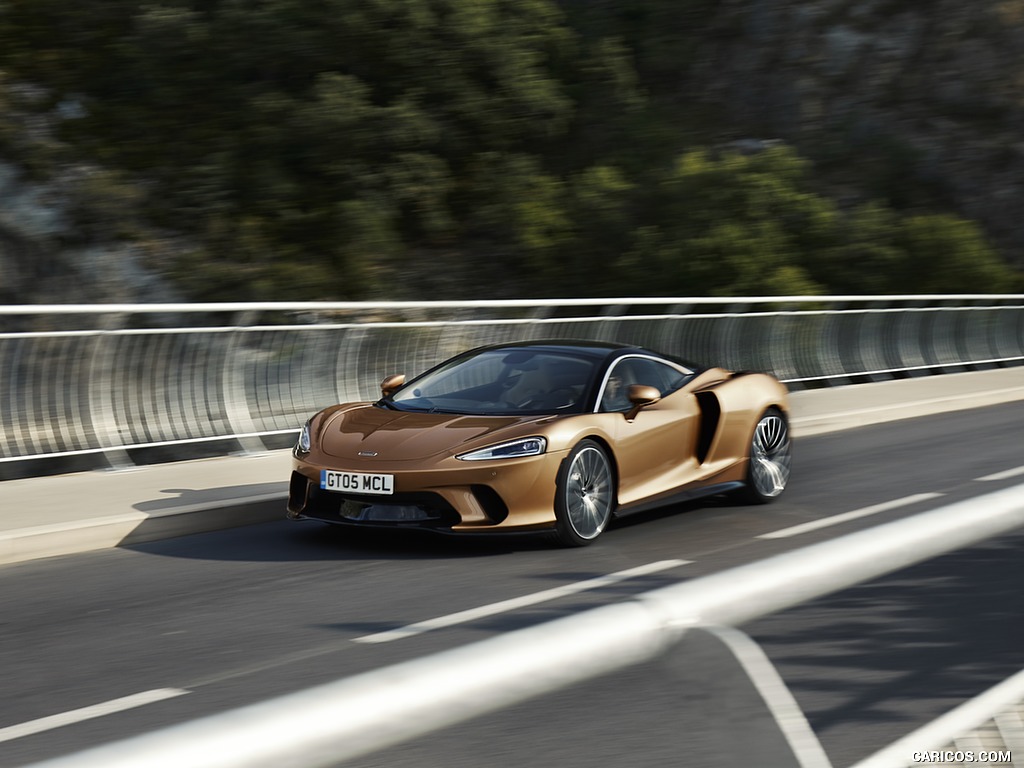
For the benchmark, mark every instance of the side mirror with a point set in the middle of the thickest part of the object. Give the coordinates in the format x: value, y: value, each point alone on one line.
x: 641, y: 395
x: 390, y: 384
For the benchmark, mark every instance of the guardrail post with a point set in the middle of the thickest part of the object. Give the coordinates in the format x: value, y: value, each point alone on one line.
x: 107, y: 428
x: 235, y: 395
x: 830, y: 344
x: 673, y: 326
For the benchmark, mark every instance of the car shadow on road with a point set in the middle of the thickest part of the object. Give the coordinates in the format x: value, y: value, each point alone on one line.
x: 177, y: 498
x: 311, y: 541
x: 271, y: 538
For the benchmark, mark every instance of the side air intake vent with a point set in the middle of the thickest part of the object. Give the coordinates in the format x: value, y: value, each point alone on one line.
x: 710, y: 414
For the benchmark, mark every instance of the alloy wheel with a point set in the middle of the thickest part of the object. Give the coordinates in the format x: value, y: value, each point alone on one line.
x: 770, y: 456
x: 588, y: 492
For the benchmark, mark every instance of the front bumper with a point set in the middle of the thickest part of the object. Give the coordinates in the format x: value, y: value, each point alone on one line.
x: 455, y: 496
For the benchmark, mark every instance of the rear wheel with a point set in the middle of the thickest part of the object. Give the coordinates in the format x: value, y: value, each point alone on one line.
x: 770, y: 458
x: 584, y: 496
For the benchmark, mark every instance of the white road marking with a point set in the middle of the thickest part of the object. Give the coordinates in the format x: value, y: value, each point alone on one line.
x: 88, y: 713
x: 824, y: 522
x: 1001, y: 475
x: 518, y: 602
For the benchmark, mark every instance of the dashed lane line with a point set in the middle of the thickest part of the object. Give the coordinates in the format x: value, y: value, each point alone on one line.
x: 1004, y: 475
x: 515, y: 603
x: 42, y: 724
x: 825, y: 522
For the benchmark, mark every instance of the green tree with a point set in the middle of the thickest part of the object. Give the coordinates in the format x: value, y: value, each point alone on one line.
x: 946, y: 254
x: 308, y: 148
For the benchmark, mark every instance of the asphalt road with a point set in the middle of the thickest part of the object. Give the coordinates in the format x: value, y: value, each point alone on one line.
x: 228, y: 618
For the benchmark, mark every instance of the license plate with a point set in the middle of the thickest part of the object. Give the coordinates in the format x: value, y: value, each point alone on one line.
x: 357, y: 482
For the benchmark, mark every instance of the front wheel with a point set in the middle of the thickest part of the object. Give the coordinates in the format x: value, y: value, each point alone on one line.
x: 770, y: 458
x: 584, y: 495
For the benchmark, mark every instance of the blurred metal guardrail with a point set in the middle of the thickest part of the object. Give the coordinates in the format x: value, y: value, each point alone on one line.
x: 348, y: 718
x: 143, y: 383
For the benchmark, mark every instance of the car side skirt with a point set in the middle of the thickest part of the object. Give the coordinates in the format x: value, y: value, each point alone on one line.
x: 678, y: 497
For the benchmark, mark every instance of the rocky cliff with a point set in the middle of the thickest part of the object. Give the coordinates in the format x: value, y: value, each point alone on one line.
x: 918, y: 101
x: 62, y: 230
x: 45, y: 258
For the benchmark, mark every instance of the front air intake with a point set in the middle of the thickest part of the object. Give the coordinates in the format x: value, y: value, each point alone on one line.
x: 491, y: 502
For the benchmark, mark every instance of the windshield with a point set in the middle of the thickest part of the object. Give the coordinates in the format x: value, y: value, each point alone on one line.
x: 498, y: 382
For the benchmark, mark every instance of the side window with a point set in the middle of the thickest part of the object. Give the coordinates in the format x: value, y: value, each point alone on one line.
x: 638, y: 370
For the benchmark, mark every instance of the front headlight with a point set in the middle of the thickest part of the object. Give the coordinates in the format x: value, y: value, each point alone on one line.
x: 302, y: 445
x: 527, y: 446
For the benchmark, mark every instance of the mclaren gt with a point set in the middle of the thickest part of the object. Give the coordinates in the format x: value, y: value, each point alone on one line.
x: 556, y: 436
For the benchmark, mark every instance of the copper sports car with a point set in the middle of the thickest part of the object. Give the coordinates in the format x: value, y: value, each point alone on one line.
x: 555, y: 436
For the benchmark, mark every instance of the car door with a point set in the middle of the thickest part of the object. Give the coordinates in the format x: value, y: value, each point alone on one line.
x: 654, y: 450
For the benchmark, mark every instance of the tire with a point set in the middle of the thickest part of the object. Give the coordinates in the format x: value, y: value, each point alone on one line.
x: 771, y: 455
x: 585, y: 495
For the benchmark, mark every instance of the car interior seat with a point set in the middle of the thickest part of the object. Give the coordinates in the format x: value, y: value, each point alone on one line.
x: 533, y: 384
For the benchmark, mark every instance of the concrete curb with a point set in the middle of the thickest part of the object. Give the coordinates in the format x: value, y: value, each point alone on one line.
x: 94, y: 533
x: 66, y: 514
x: 816, y: 412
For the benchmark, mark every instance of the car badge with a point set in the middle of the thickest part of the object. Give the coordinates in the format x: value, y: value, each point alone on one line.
x: 367, y: 454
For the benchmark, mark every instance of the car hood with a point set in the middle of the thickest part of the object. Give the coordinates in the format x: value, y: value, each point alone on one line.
x: 404, y: 436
